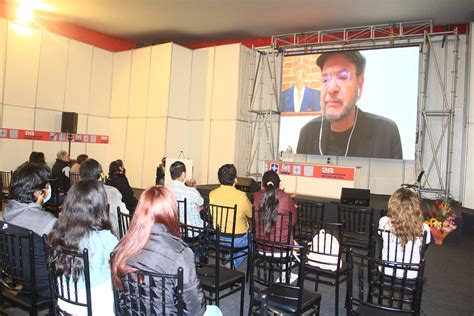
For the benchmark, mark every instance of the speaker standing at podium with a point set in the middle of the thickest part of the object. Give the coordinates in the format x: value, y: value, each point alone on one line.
x: 344, y: 129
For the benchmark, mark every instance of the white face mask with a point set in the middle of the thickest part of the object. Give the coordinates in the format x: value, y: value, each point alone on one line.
x: 46, y: 199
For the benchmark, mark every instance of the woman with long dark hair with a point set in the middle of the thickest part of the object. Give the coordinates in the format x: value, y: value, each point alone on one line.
x: 153, y: 244
x: 85, y: 223
x: 270, y: 201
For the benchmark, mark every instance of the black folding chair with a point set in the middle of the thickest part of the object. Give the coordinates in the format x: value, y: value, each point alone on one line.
x: 358, y: 228
x: 380, y: 287
x: 217, y: 282
x: 310, y: 214
x: 323, y: 262
x: 67, y: 290
x: 23, y: 271
x: 224, y: 217
x: 145, y: 293
x: 123, y: 220
x: 271, y: 269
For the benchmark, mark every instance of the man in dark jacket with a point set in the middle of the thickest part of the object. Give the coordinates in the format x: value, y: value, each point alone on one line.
x: 61, y: 171
x: 344, y: 129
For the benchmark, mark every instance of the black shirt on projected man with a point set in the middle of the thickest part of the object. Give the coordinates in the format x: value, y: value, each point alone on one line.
x: 344, y: 129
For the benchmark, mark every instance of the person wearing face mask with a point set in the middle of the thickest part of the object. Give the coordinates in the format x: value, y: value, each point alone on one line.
x: 118, y: 179
x: 344, y: 129
x: 29, y: 190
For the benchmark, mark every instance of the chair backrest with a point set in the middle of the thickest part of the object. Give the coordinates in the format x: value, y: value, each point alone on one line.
x: 68, y: 293
x: 391, y: 249
x: 123, y: 220
x: 6, y: 177
x: 377, y: 288
x: 224, y: 217
x: 147, y: 293
x: 358, y: 226
x: 310, y: 214
x: 183, y: 211
x: 324, y: 251
x: 281, y: 229
x: 17, y: 262
x: 74, y: 177
x: 273, y: 262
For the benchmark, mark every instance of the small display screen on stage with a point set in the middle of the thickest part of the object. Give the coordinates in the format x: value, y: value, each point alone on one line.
x: 359, y: 104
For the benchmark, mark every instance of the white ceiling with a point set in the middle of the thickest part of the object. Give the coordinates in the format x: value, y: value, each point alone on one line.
x: 185, y: 21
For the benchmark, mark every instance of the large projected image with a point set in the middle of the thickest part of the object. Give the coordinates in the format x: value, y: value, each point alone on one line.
x: 351, y: 103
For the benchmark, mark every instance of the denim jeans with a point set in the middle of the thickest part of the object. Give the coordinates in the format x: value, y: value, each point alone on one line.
x: 239, y: 242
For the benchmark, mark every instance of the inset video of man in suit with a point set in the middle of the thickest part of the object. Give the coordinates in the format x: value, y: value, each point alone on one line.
x: 300, y: 98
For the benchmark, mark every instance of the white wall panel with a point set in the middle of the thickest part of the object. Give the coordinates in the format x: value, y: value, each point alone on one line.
x: 98, y: 126
x: 180, y: 83
x: 18, y: 117
x: 52, y: 71
x: 154, y: 149
x: 139, y: 82
x: 21, y: 74
x: 134, y: 148
x: 101, y: 82
x: 199, y: 83
x: 47, y: 120
x: 198, y: 144
x: 159, y: 84
x: 3, y: 52
x: 386, y: 175
x: 226, y: 82
x: 15, y: 152
x: 78, y: 77
x: 178, y: 137
x: 117, y: 138
x: 120, y: 84
x: 222, y: 146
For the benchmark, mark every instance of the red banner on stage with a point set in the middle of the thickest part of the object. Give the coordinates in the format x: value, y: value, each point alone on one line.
x: 21, y: 134
x: 313, y: 171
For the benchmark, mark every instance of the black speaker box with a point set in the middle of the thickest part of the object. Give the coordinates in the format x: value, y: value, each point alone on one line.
x: 69, y: 122
x: 356, y: 197
x: 247, y: 185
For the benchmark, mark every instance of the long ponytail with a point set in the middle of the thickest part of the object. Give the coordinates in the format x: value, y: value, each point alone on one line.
x: 269, y: 202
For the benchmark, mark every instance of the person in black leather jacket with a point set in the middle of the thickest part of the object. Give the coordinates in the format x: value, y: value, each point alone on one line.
x: 118, y: 180
x: 153, y: 244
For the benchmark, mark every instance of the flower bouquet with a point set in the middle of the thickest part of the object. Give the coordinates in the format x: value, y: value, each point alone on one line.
x: 441, y: 220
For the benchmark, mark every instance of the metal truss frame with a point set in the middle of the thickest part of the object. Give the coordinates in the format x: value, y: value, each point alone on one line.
x: 428, y: 149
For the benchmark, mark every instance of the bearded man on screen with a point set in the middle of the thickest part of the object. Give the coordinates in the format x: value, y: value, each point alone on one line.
x: 344, y: 129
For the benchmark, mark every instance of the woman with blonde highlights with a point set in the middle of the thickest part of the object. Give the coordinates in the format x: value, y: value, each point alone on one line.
x: 405, y: 223
x: 153, y: 244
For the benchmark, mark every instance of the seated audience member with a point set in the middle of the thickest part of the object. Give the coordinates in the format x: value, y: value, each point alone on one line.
x: 153, y: 244
x: 61, y: 172
x: 118, y: 180
x: 75, y: 166
x: 404, y: 220
x: 85, y: 223
x: 39, y: 158
x: 194, y: 200
x: 91, y: 169
x: 228, y: 195
x: 29, y: 190
x: 269, y: 202
x: 160, y: 172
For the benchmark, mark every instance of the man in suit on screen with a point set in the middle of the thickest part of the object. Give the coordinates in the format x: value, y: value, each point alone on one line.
x: 300, y: 98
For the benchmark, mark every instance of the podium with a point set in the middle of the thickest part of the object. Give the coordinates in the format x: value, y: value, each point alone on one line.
x: 313, y: 179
